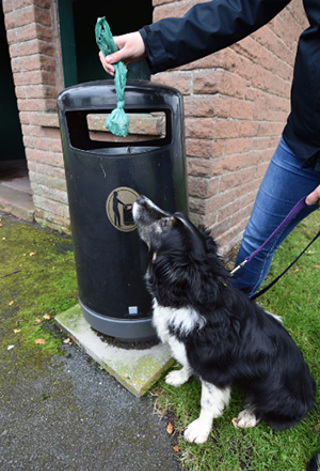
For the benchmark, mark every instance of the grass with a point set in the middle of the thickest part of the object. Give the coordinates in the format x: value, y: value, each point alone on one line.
x: 296, y: 297
x: 37, y: 278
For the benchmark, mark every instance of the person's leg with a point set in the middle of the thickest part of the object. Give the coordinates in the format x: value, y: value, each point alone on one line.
x: 283, y: 185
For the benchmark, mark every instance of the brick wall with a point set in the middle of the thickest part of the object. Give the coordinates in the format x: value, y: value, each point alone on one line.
x: 236, y: 105
x: 32, y: 36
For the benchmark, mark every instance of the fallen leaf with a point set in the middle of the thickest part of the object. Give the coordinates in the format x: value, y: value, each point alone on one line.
x: 40, y: 341
x: 38, y: 320
x: 317, y: 266
x: 16, y: 331
x: 295, y: 270
x: 46, y: 316
x: 11, y: 302
x: 170, y: 428
x: 32, y: 254
x: 176, y: 448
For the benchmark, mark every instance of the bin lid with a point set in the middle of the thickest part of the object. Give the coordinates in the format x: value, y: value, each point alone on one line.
x: 101, y: 95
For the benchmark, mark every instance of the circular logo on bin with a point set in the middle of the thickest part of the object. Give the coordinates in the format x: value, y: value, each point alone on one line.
x: 119, y: 208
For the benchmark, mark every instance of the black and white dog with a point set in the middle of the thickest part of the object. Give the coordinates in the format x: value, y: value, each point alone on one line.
x: 216, y: 332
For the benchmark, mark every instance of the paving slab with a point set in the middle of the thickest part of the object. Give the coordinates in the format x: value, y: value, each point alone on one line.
x: 18, y: 203
x: 137, y: 370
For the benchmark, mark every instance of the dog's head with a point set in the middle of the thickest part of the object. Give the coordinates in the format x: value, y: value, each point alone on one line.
x: 183, y: 259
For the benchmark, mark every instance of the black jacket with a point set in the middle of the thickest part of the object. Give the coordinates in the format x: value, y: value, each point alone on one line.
x: 211, y: 26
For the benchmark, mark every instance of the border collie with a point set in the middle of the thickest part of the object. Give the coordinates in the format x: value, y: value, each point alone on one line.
x: 216, y: 332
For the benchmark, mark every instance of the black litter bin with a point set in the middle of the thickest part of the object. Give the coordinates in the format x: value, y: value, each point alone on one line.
x: 103, y: 181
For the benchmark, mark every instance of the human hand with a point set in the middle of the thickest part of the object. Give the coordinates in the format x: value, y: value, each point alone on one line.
x: 131, y: 47
x: 314, y: 197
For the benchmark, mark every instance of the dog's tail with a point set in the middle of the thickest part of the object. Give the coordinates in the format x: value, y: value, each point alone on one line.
x: 291, y: 411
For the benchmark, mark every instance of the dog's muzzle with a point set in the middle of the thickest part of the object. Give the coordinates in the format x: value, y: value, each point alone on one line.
x: 145, y: 212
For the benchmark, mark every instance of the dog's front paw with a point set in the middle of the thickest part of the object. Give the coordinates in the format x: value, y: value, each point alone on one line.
x: 245, y: 419
x: 196, y: 432
x: 178, y: 377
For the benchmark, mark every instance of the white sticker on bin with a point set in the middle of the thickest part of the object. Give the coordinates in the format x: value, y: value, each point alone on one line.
x: 133, y: 310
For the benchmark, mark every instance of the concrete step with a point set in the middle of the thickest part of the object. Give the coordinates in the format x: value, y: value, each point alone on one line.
x: 136, y: 370
x: 18, y: 203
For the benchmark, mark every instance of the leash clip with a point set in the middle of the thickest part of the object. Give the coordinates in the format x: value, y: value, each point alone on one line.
x: 238, y: 267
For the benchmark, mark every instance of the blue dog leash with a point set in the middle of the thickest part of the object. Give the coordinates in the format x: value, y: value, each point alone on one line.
x: 292, y: 214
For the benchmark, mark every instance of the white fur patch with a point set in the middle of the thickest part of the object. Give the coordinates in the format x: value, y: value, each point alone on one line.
x: 184, y: 319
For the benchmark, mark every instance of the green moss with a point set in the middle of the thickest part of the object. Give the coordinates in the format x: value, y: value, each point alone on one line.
x: 37, y: 277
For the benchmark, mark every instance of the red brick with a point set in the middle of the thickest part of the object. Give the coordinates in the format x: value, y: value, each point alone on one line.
x: 21, y: 17
x: 271, y: 40
x: 55, y: 145
x: 199, y: 167
x: 197, y: 205
x: 33, y: 104
x: 204, y: 147
x: 156, y: 3
x: 234, y: 163
x: 42, y: 16
x: 182, y: 81
x: 198, y: 187
x: 29, y: 32
x: 219, y: 129
x: 259, y: 54
x: 237, y: 145
x: 36, y: 62
x: 32, y: 47
x: 218, y: 106
x: 36, y: 77
x: 237, y: 178
x: 211, y: 81
x: 24, y: 3
x: 7, y: 6
x: 174, y: 9
x: 40, y: 91
x: 53, y: 159
x: 280, y: 23
x: 219, y: 59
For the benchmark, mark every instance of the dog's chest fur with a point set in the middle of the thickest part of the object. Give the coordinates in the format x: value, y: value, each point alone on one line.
x: 173, y: 323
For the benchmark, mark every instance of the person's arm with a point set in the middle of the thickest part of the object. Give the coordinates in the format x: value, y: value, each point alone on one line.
x: 314, y: 197
x: 206, y: 28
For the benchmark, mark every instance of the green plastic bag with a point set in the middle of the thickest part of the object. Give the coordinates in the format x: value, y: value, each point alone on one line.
x: 118, y: 122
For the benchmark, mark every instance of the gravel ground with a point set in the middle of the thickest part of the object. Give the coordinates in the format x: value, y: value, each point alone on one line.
x: 66, y: 414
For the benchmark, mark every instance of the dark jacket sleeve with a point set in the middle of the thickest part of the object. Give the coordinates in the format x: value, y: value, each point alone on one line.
x: 204, y: 29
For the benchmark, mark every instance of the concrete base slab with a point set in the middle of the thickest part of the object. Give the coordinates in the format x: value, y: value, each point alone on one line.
x: 136, y: 370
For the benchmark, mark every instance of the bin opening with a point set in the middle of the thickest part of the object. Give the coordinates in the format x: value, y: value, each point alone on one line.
x: 146, y: 130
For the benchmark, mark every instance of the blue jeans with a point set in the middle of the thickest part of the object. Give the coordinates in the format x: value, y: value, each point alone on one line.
x: 283, y: 185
